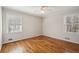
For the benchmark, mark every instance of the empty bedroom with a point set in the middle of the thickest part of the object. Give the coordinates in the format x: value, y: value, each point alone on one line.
x: 39, y: 29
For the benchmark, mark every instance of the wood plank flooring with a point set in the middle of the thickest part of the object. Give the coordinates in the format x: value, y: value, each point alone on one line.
x: 42, y: 44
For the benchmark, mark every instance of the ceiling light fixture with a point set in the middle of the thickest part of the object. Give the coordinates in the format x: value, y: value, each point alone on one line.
x: 44, y: 9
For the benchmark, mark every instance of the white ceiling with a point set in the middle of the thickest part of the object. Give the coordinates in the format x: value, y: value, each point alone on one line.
x: 36, y: 10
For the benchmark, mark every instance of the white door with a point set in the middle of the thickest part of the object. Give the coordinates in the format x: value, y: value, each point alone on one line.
x: 0, y: 27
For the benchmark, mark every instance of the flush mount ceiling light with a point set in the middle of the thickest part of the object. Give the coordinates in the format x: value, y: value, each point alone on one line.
x: 44, y: 9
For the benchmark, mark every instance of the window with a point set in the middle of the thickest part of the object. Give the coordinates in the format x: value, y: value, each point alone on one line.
x: 72, y: 23
x: 14, y: 24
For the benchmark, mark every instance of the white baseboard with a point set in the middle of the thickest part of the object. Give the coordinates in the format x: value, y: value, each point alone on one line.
x: 44, y: 35
x: 63, y: 39
x: 20, y: 39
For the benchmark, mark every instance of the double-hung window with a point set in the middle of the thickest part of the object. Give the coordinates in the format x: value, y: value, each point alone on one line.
x: 72, y: 23
x: 15, y: 24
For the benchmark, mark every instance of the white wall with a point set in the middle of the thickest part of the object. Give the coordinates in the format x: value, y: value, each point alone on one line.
x: 53, y: 26
x: 0, y: 27
x: 31, y: 26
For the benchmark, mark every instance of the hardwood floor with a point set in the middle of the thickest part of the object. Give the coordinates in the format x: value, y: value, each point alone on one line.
x: 42, y: 44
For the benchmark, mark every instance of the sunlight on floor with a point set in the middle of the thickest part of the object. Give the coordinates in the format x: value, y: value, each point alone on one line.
x: 17, y: 50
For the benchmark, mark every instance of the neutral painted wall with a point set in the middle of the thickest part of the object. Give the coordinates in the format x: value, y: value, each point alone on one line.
x: 0, y: 27
x: 32, y: 26
x: 53, y: 26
